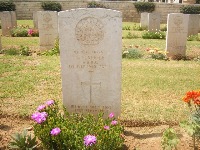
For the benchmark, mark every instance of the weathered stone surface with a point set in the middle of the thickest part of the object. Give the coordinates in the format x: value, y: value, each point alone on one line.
x: 144, y: 20
x: 35, y: 20
x: 90, y: 45
x: 48, y: 28
x: 8, y: 21
x: 193, y: 22
x: 153, y: 22
x: 0, y: 43
x: 177, y: 30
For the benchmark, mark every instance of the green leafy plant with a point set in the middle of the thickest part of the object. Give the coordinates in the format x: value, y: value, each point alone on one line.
x: 53, y: 51
x: 23, y: 50
x: 193, y: 38
x: 51, y: 6
x: 131, y: 36
x: 23, y: 141
x: 19, y: 31
x: 153, y: 35
x: 190, y: 9
x: 94, y: 4
x: 132, y: 53
x: 192, y: 125
x: 60, y: 130
x: 126, y: 28
x: 144, y: 7
x: 7, y: 6
x: 169, y: 139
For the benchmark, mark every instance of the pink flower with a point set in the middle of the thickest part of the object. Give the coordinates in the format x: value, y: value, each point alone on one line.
x: 114, y: 122
x: 89, y: 140
x: 39, y: 117
x: 50, y: 102
x: 41, y: 107
x: 111, y: 115
x: 55, y: 131
x: 30, y: 31
x: 106, y: 127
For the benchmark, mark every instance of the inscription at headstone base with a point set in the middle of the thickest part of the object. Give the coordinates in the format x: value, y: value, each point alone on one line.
x: 193, y: 22
x: 48, y: 28
x: 90, y: 45
x: 8, y: 21
x: 177, y: 30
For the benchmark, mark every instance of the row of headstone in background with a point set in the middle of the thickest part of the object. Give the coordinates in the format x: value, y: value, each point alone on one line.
x: 48, y: 28
x: 179, y: 27
x: 90, y: 46
x: 150, y: 21
x: 8, y: 21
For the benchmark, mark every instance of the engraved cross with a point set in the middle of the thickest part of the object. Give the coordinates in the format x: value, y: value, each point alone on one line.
x: 90, y: 84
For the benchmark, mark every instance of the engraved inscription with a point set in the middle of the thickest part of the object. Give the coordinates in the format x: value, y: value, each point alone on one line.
x: 89, y: 31
x: 91, y: 109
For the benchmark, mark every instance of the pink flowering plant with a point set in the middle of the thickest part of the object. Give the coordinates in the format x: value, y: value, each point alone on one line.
x: 60, y: 130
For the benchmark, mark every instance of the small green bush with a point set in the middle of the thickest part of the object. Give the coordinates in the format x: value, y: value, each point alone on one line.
x: 19, y: 31
x: 131, y: 36
x: 94, y: 4
x: 126, y: 28
x: 51, y: 6
x: 190, y: 9
x: 23, y: 141
x: 193, y: 38
x: 132, y: 54
x: 23, y: 50
x: 144, y: 7
x: 7, y: 6
x: 153, y: 35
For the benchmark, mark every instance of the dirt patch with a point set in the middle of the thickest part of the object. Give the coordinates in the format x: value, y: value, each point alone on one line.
x: 136, y: 138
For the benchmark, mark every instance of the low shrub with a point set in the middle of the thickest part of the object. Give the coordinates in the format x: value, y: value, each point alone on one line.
x: 19, y: 31
x: 153, y: 35
x: 193, y: 38
x: 157, y: 54
x: 144, y: 7
x: 24, y: 31
x: 126, y: 28
x: 131, y: 36
x: 7, y: 6
x: 190, y: 9
x: 94, y: 4
x: 61, y: 130
x: 51, y: 6
x: 23, y: 50
x: 132, y: 53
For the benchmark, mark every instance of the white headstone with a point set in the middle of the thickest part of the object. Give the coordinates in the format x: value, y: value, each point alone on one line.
x: 90, y: 45
x: 144, y: 20
x: 35, y: 20
x: 48, y: 28
x: 193, y: 22
x: 177, y: 29
x: 8, y: 21
x: 153, y: 22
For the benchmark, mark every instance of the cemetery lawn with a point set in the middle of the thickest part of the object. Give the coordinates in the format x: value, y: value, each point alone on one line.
x: 152, y: 90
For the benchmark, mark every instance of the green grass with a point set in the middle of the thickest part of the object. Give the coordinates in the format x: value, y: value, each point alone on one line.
x: 151, y: 89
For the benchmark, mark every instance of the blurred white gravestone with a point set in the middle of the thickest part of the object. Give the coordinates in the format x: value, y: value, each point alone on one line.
x: 8, y: 21
x: 153, y: 22
x: 35, y: 20
x: 177, y: 30
x: 144, y: 20
x: 90, y: 45
x: 48, y: 28
x: 193, y: 22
